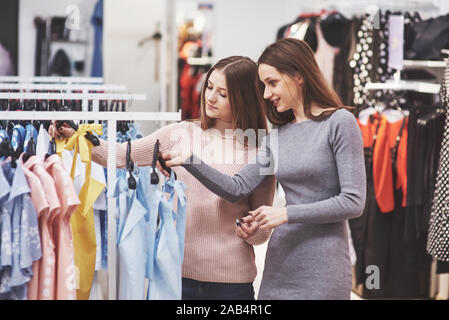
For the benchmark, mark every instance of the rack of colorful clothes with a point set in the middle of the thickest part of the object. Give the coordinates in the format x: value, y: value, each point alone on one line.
x: 150, y: 232
x: 80, y: 143
x: 402, y: 132
x: 353, y: 49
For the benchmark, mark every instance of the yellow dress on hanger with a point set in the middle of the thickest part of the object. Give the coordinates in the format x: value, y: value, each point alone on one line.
x: 82, y: 221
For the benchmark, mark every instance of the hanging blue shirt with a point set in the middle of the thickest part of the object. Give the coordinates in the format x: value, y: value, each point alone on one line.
x: 132, y: 247
x: 30, y: 132
x: 17, y: 137
x: 166, y: 281
x: 26, y: 243
x: 173, y: 186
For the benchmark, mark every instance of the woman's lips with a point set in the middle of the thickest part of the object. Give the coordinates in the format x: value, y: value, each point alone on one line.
x: 275, y: 102
x: 211, y: 107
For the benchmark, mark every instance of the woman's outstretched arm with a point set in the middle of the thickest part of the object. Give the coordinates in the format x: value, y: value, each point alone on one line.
x: 231, y: 188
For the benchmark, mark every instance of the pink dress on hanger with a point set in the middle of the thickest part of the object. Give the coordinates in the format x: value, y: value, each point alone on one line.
x: 62, y: 231
x: 325, y: 55
x: 41, y: 205
x: 47, y: 266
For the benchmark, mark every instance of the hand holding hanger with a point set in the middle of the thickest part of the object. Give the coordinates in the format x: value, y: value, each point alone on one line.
x: 65, y: 129
x: 159, y: 161
x: 175, y: 158
x: 60, y: 130
x: 246, y: 227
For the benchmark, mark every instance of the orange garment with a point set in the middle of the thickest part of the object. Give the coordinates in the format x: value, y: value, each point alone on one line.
x: 401, y: 158
x: 382, y: 159
x: 382, y: 164
x: 190, y: 108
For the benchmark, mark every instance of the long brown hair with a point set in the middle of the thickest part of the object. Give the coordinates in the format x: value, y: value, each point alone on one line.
x: 295, y: 57
x: 247, y: 113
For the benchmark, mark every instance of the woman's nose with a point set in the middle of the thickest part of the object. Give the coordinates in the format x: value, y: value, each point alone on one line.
x: 266, y: 93
x: 211, y: 97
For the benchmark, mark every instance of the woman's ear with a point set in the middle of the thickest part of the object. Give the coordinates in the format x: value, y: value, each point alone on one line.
x: 300, y: 80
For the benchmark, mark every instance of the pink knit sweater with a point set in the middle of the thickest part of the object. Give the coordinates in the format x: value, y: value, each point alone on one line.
x: 213, y: 252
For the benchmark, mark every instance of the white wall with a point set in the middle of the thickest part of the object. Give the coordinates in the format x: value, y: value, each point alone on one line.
x: 247, y: 27
x: 125, y: 24
x: 28, y: 9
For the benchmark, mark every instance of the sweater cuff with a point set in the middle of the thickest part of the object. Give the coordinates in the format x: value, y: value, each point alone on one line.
x: 259, y: 237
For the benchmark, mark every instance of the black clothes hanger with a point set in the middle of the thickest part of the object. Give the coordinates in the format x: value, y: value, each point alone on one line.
x: 132, y: 184
x: 154, y: 177
x: 89, y: 136
x: 30, y: 151
x: 6, y: 150
x: 158, y: 156
x: 52, y: 149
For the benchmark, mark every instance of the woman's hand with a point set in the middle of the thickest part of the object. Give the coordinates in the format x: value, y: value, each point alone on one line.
x: 269, y: 217
x: 64, y: 131
x: 248, y: 227
x: 176, y: 158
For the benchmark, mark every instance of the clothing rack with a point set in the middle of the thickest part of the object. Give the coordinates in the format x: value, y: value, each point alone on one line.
x: 95, y: 97
x: 398, y: 85
x: 112, y: 118
x: 412, y: 85
x: 84, y: 88
x: 63, y: 86
x: 68, y: 80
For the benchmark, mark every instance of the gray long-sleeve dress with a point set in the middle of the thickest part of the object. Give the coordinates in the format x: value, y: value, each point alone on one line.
x: 320, y: 166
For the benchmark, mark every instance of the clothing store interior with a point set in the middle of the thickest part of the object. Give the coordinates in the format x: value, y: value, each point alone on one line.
x: 79, y: 223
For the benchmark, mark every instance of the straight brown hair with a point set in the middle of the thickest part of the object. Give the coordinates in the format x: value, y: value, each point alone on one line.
x: 295, y: 58
x: 247, y: 111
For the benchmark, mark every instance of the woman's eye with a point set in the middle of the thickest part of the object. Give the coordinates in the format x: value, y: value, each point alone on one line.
x: 223, y: 95
x: 272, y: 83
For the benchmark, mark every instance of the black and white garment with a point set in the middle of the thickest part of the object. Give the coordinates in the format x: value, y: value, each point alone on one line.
x: 438, y: 238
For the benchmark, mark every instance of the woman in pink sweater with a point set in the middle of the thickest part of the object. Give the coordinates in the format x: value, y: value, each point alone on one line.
x: 217, y: 264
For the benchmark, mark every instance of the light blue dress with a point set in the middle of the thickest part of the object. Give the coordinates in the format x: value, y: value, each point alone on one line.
x: 131, y: 241
x: 166, y: 281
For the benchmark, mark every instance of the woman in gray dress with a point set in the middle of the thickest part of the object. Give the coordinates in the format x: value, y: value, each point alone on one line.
x: 316, y: 150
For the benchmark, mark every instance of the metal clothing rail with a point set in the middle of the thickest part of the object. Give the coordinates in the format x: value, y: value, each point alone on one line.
x: 62, y: 86
x: 95, y: 97
x: 91, y: 80
x: 71, y: 96
x: 417, y: 86
x: 80, y: 115
x: 112, y: 118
